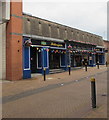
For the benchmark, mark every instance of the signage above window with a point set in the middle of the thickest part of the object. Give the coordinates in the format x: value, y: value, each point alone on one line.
x: 48, y: 43
x: 43, y: 43
x: 56, y: 45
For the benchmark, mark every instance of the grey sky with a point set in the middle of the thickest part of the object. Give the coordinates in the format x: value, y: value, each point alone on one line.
x: 87, y: 16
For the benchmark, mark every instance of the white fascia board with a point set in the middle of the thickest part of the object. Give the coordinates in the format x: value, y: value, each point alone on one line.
x: 43, y: 38
x: 100, y: 46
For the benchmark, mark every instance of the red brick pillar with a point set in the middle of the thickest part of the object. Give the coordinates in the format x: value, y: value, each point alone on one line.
x: 14, y: 43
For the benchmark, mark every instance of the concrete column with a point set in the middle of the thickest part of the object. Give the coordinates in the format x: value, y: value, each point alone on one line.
x: 45, y: 58
x: 1, y: 41
x: 103, y: 59
x: 0, y: 12
x: 2, y: 46
x: 3, y: 51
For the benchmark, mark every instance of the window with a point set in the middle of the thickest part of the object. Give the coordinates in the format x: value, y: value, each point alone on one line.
x: 39, y: 60
x: 40, y: 27
x: 62, y: 60
x: 77, y: 35
x: 58, y: 32
x: 65, y: 34
x: 83, y: 36
x: 72, y: 33
x: 50, y: 29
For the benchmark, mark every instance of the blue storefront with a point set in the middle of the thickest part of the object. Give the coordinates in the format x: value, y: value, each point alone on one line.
x: 81, y: 52
x: 100, y: 55
x: 43, y: 54
x: 78, y: 57
x: 92, y: 59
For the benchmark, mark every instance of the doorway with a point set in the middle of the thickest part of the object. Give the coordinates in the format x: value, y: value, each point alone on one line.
x: 78, y: 60
x: 33, y: 57
x: 54, y: 60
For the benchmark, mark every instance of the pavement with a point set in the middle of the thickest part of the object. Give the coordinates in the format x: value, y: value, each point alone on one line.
x: 60, y: 96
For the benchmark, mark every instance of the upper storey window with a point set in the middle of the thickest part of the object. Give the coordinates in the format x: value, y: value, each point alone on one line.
x: 58, y: 32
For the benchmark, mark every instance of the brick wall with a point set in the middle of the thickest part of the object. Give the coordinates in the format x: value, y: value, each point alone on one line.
x: 14, y: 43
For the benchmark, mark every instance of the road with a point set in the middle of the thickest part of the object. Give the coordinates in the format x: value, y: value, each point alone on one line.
x: 64, y: 99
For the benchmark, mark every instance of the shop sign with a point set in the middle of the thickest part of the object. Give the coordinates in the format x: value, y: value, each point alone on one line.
x: 43, y: 43
x: 56, y: 45
x: 98, y: 49
x: 90, y: 58
x: 48, y: 43
x: 106, y: 51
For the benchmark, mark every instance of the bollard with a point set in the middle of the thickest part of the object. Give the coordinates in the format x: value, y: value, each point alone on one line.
x: 69, y: 69
x: 93, y: 92
x: 85, y: 66
x: 98, y: 65
x: 44, y: 74
x: 106, y: 64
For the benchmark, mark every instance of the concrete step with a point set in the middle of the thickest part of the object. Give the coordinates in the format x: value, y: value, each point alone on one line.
x: 76, y: 68
x: 53, y: 71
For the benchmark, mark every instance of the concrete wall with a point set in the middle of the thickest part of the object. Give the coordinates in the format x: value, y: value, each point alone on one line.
x: 37, y: 26
x: 106, y: 45
x: 2, y: 40
x: 6, y: 10
x: 0, y: 12
x: 3, y: 51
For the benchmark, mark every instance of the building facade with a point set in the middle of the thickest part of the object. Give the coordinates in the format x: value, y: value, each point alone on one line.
x: 55, y: 46
x: 34, y: 44
x: 4, y: 17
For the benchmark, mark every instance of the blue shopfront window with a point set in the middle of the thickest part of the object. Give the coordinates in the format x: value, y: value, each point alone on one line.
x: 26, y: 58
x: 45, y: 58
x: 101, y: 59
x: 39, y: 57
x: 62, y: 60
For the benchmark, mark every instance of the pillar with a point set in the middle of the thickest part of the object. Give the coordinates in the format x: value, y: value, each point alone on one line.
x: 92, y: 60
x: 14, y: 43
x: 45, y: 59
x: 26, y: 61
x: 3, y: 51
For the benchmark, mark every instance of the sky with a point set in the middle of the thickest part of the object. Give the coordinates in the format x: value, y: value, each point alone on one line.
x: 90, y: 15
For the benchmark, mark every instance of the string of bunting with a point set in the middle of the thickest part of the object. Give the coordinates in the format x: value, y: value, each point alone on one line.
x: 53, y: 51
x: 58, y: 51
x: 64, y: 52
x: 83, y: 51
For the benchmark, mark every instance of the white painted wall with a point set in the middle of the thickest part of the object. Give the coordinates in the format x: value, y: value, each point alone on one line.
x: 3, y: 51
x: 4, y: 15
x: 0, y: 40
x: 4, y: 10
x: 0, y: 58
